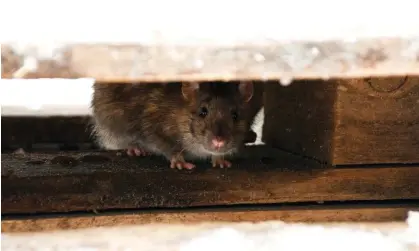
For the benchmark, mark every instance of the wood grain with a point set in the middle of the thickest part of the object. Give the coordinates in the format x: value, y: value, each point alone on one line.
x: 300, y: 118
x: 306, y: 214
x: 66, y: 182
x: 377, y: 125
x: 345, y: 122
x: 165, y: 61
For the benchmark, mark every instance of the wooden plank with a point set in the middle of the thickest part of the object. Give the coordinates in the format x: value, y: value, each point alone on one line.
x: 307, y: 214
x: 309, y: 125
x: 267, y: 60
x: 230, y: 46
x: 357, y: 121
x: 379, y: 119
x: 93, y: 181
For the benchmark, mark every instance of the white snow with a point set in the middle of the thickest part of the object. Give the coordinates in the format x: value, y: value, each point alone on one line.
x: 222, y: 22
x: 262, y: 236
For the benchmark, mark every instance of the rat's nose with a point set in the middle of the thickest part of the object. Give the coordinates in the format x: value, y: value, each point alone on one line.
x: 218, y: 142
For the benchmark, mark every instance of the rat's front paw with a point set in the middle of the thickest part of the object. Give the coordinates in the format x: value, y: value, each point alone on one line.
x: 136, y: 151
x: 180, y: 163
x: 220, y: 161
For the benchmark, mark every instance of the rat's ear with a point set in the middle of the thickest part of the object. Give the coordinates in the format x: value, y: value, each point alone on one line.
x: 189, y: 89
x: 246, y: 90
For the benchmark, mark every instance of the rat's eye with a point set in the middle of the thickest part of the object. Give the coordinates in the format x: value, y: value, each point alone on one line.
x: 235, y: 115
x: 203, y: 112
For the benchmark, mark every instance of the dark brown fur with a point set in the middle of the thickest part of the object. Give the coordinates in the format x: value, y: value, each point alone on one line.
x: 160, y: 119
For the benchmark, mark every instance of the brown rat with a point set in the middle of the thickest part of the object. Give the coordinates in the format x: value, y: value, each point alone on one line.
x: 176, y: 120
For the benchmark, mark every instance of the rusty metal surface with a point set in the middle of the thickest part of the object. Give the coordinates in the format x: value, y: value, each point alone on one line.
x: 267, y: 60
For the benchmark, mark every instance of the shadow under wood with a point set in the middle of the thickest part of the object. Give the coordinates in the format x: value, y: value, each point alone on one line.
x: 83, y: 181
x: 31, y: 133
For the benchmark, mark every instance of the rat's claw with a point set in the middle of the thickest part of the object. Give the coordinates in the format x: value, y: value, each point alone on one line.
x: 221, y: 162
x: 180, y: 163
x: 135, y: 151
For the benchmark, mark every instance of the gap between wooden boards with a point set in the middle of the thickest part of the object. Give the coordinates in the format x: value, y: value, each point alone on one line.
x: 355, y: 213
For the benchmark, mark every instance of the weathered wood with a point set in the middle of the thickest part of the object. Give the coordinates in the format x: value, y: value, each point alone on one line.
x: 260, y: 58
x: 307, y: 214
x: 81, y: 181
x: 358, y: 121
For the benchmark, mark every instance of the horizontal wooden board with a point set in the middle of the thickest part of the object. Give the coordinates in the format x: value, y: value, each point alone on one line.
x: 306, y: 214
x: 95, y: 181
x: 268, y: 59
x: 227, y: 45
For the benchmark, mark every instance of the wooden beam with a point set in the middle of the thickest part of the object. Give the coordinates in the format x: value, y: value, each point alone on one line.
x: 63, y: 182
x: 205, y: 41
x: 351, y: 121
x: 269, y: 60
x: 307, y: 214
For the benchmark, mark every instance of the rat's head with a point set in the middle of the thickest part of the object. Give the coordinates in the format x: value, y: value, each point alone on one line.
x: 217, y: 115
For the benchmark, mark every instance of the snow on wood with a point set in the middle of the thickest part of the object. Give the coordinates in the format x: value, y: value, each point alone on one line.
x: 186, y: 40
x: 270, y: 235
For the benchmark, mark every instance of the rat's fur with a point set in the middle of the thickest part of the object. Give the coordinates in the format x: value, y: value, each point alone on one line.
x: 164, y: 118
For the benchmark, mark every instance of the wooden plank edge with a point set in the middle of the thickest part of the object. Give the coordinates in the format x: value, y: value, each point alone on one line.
x: 290, y: 214
x: 266, y: 60
x: 36, y: 183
